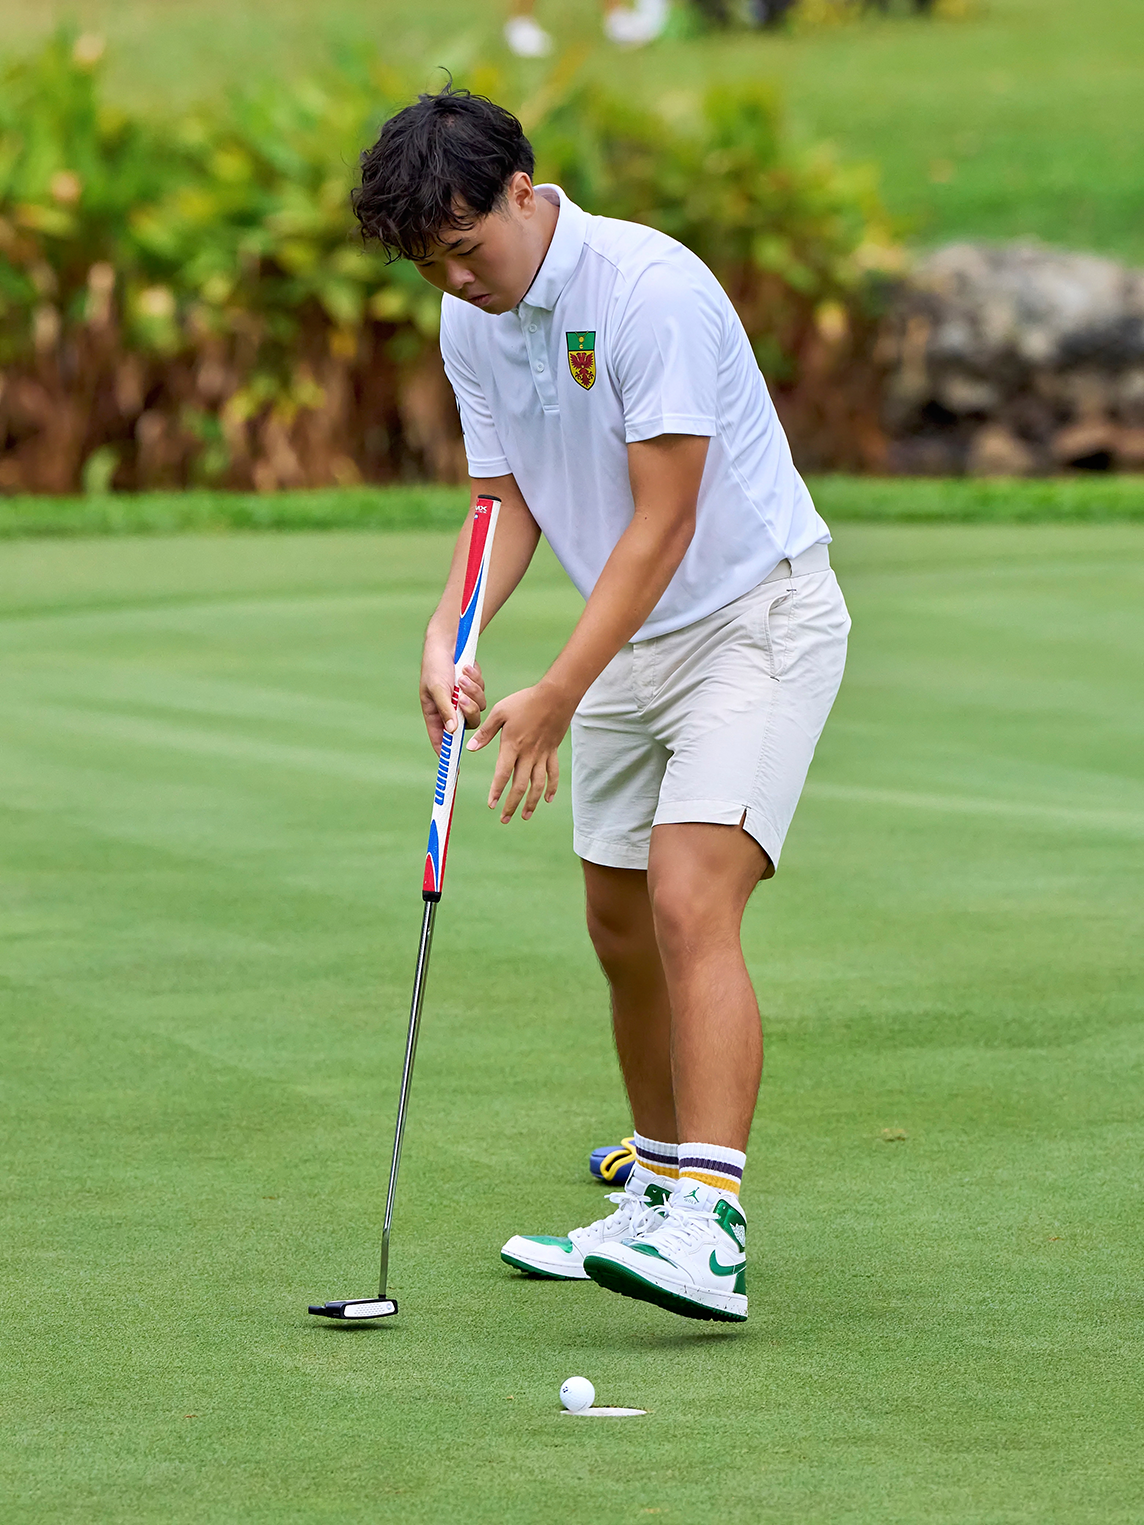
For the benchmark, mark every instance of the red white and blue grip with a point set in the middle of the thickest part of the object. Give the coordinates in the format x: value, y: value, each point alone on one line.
x: 468, y: 629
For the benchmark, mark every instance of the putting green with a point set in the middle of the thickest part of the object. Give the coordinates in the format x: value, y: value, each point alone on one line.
x: 214, y: 787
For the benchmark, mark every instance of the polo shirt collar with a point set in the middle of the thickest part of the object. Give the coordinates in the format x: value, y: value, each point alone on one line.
x: 563, y: 254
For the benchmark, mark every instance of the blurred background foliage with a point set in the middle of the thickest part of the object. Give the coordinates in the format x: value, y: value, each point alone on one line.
x: 184, y: 300
x: 1019, y: 118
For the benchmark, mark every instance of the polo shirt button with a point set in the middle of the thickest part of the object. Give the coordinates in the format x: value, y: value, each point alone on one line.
x: 540, y: 365
x: 532, y: 328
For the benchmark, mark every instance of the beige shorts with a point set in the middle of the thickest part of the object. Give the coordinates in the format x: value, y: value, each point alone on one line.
x: 715, y: 722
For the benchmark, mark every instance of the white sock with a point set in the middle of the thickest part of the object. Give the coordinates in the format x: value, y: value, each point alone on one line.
x: 660, y: 1158
x: 713, y: 1165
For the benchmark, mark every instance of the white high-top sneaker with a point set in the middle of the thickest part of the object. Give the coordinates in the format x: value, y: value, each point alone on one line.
x: 692, y: 1259
x: 562, y: 1258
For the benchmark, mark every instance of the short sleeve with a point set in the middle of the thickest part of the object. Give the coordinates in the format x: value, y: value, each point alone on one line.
x: 483, y: 449
x: 665, y: 355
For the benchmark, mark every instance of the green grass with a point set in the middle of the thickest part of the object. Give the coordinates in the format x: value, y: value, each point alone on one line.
x: 214, y: 788
x: 1024, y: 120
x: 165, y: 513
x: 869, y: 499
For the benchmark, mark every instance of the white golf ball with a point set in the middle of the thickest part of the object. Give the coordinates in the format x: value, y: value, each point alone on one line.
x: 577, y: 1394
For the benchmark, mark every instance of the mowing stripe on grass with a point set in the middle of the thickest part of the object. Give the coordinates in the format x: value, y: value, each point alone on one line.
x: 899, y: 500
x: 1119, y: 823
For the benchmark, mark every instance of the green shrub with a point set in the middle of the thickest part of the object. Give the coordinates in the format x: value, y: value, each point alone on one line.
x: 185, y: 302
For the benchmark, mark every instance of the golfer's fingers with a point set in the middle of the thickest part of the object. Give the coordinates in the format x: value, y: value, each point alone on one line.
x: 535, y: 790
x: 506, y: 762
x: 552, y: 769
x: 433, y: 722
x: 470, y: 709
x: 485, y: 733
x: 471, y: 699
x: 442, y: 697
x: 521, y: 778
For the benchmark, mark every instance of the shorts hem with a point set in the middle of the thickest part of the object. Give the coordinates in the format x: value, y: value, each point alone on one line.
x: 703, y: 812
x: 757, y: 826
x: 721, y: 813
x: 608, y: 852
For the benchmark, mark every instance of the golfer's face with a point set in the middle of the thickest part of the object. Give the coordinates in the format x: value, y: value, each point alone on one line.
x: 488, y: 264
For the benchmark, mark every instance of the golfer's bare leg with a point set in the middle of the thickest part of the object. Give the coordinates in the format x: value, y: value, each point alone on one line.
x: 700, y: 878
x: 623, y: 935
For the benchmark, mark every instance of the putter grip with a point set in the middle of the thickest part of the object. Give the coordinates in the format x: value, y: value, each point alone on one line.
x: 468, y: 629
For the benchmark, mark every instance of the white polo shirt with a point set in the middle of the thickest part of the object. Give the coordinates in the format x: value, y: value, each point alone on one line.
x: 625, y: 335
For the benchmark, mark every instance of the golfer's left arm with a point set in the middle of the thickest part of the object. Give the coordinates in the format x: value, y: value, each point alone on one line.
x: 665, y: 474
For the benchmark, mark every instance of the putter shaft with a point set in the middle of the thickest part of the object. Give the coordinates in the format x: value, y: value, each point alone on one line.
x: 483, y: 524
x: 423, y: 949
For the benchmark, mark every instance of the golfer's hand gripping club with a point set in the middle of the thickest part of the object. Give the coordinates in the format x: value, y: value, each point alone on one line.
x: 468, y: 630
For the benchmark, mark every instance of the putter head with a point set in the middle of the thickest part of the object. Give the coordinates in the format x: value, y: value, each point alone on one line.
x: 356, y: 1309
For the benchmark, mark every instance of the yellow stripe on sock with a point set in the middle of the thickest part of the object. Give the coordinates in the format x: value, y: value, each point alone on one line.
x: 665, y: 1172
x: 720, y: 1183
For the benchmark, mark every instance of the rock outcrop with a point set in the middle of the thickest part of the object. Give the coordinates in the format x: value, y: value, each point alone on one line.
x: 1015, y: 360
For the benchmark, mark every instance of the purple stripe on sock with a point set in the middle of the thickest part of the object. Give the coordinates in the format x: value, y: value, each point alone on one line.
x: 717, y: 1167
x: 660, y: 1159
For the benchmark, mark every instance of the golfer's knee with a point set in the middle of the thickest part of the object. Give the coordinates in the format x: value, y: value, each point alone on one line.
x: 618, y: 935
x: 688, y: 915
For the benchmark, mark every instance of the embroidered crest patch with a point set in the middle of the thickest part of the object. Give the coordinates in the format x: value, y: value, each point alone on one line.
x: 582, y: 358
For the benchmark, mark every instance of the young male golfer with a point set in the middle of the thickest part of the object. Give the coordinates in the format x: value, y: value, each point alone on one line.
x: 610, y: 399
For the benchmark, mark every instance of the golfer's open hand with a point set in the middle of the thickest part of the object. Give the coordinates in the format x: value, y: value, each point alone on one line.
x: 437, y: 694
x: 532, y: 724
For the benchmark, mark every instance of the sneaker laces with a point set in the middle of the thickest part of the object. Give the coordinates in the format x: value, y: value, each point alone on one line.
x: 632, y: 1215
x: 682, y: 1228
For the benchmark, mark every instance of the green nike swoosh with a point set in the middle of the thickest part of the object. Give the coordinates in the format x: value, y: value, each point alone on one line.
x: 719, y: 1270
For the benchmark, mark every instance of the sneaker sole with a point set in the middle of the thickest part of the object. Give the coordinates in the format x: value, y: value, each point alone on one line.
x: 522, y: 1265
x: 617, y: 1278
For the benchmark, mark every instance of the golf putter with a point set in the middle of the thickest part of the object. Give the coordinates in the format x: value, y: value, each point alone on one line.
x: 472, y: 602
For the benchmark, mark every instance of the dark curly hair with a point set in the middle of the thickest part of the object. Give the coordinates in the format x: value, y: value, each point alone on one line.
x: 440, y: 163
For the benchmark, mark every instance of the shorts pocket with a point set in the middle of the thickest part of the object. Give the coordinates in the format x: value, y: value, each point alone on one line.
x: 774, y: 624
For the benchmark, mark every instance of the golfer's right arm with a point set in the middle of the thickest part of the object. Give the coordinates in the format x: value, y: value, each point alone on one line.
x: 517, y: 536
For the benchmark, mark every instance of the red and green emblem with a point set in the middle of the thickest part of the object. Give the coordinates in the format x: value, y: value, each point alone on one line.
x: 582, y: 358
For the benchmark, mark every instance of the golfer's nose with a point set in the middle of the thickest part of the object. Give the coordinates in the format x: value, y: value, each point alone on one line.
x: 458, y: 276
